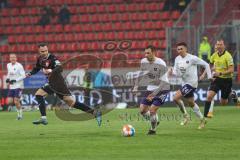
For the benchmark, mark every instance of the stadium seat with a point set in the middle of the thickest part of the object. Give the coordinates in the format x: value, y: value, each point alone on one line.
x: 165, y: 15
x: 111, y: 8
x: 24, y: 11
x: 13, y: 49
x: 122, y: 8
x: 28, y: 39
x: 18, y: 29
x: 15, y: 12
x: 58, y: 28
x: 69, y: 37
x: 95, y: 18
x: 38, y: 29
x: 92, y: 9
x: 175, y: 15
x: 5, y: 12
x: 77, y: 28
x: 34, y: 11
x: 101, y: 9
x: 132, y: 7
x: 23, y: 39
x: 12, y: 39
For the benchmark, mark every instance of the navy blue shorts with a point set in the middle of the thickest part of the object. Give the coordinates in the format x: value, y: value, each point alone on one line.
x: 15, y: 93
x: 158, y: 100
x: 187, y: 91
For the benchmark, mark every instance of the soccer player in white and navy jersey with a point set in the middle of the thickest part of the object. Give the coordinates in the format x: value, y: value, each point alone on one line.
x: 154, y: 71
x: 15, y: 76
x: 185, y: 67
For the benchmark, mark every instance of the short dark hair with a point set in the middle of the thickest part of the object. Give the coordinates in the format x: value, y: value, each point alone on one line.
x: 182, y: 44
x: 153, y: 49
x: 42, y: 45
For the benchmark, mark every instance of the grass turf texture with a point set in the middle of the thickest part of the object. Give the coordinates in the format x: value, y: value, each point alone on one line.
x: 62, y: 140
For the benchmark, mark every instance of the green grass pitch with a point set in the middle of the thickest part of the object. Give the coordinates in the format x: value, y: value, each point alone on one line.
x: 60, y: 140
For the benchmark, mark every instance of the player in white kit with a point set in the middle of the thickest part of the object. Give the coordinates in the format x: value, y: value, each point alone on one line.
x: 15, y: 76
x: 154, y: 73
x: 185, y: 67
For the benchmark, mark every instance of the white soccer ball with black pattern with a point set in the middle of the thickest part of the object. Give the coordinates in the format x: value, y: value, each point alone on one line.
x: 128, y: 130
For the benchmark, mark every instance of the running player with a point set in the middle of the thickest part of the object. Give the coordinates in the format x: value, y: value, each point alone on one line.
x: 15, y: 76
x: 51, y: 67
x: 157, y: 88
x: 223, y: 69
x: 185, y: 66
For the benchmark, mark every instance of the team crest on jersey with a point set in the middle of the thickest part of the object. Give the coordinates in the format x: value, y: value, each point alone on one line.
x: 47, y: 63
x: 187, y: 62
x: 155, y: 69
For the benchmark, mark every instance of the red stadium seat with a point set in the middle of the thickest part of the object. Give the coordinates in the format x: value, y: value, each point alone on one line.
x: 158, y: 25
x: 34, y: 20
x: 23, y: 39
x: 129, y: 35
x: 26, y: 20
x: 68, y: 28
x: 120, y: 35
x: 156, y: 16
x: 97, y: 27
x: 107, y: 27
x: 104, y: 18
x: 29, y: 39
x: 22, y: 48
x: 69, y: 37
x: 114, y: 17
x: 34, y: 11
x: 101, y: 9
x: 38, y: 29
x: 95, y: 18
x: 75, y: 19
x: 15, y: 12
x: 5, y: 12
x: 175, y: 15
x: 18, y: 30
x: 127, y: 26
x: 84, y: 18
x: 82, y: 9
x: 13, y: 49
x: 24, y: 11
x: 40, y: 38
x: 111, y: 8
x: 48, y: 28
x: 28, y: 29
x: 12, y: 39
x: 132, y: 7
x: 165, y: 15
x: 118, y: 26
x: 122, y: 8
x: 149, y: 25
x: 100, y: 36
x: 141, y: 7
x: 137, y: 25
x: 58, y: 28
x: 92, y: 9
x: 53, y: 47
x: 16, y: 21
x: 50, y: 38
x: 77, y: 28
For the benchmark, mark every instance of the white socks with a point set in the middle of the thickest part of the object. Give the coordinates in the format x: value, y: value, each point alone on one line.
x: 19, y: 111
x: 44, y: 117
x: 146, y: 115
x: 182, y: 107
x: 197, y: 111
x: 154, y: 121
x: 211, y: 107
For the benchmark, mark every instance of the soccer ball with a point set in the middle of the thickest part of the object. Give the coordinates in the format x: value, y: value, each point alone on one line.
x: 128, y: 130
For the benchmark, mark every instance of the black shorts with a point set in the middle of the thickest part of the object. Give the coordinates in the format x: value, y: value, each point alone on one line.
x: 222, y: 84
x: 47, y: 88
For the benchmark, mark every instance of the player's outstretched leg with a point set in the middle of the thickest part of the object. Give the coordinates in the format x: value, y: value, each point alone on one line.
x: 154, y: 121
x: 42, y: 109
x: 180, y: 104
x: 96, y: 111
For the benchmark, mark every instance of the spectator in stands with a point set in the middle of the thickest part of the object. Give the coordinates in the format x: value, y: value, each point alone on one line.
x: 48, y: 10
x: 204, y: 51
x: 64, y: 15
x: 3, y: 3
x: 182, y: 4
x: 173, y: 5
x: 45, y: 18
